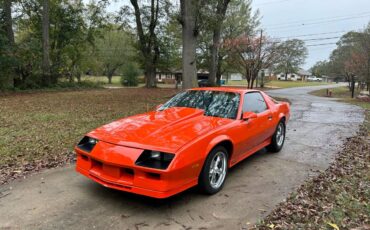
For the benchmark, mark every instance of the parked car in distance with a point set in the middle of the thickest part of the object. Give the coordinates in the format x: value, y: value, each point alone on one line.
x: 203, y: 83
x: 193, y: 139
x: 314, y: 78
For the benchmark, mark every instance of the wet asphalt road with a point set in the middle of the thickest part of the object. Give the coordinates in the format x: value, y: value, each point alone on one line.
x: 60, y: 198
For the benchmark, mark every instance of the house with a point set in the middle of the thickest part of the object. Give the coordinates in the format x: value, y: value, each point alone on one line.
x: 326, y: 78
x: 168, y: 77
x: 171, y: 76
x: 235, y: 77
x: 304, y: 74
x: 289, y: 77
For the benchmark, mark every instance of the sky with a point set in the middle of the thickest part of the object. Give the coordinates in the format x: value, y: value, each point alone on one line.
x: 319, y: 21
x: 326, y: 19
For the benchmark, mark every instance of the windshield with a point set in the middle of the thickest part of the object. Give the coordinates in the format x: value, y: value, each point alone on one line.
x: 214, y: 103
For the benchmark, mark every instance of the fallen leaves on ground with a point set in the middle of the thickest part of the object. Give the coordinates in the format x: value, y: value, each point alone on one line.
x: 338, y: 198
x: 38, y: 130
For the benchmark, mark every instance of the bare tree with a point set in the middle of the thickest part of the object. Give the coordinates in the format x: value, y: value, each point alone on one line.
x: 45, y: 43
x: 217, y: 26
x: 189, y: 15
x: 249, y: 54
x: 148, y: 42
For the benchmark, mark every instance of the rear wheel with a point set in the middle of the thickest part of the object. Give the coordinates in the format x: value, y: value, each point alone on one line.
x: 278, y: 138
x: 214, y: 172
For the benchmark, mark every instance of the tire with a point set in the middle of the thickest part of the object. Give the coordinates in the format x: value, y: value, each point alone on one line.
x: 278, y: 139
x: 211, y: 180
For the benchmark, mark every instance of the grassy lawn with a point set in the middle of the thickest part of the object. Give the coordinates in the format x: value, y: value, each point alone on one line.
x: 38, y: 130
x: 290, y: 84
x: 339, y: 92
x: 116, y: 80
x: 280, y: 84
x: 339, y: 197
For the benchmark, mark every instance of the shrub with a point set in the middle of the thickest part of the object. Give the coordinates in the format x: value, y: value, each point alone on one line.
x: 130, y: 76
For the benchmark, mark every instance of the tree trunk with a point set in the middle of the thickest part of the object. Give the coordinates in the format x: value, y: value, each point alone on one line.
x: 189, y: 39
x: 220, y: 14
x: 348, y: 78
x: 150, y: 76
x: 368, y: 73
x: 78, y: 76
x: 70, y: 77
x: 9, y: 21
x: 148, y: 44
x: 218, y: 73
x: 45, y: 43
x: 214, y: 59
x: 9, y: 81
x: 110, y: 76
x: 254, y: 77
x: 248, y: 82
x: 353, y: 86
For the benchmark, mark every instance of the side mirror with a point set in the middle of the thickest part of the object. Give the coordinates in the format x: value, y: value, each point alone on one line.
x: 158, y: 106
x: 249, y: 115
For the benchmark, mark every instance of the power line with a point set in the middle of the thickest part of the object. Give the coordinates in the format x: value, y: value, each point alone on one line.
x: 310, y: 35
x: 321, y: 39
x: 322, y: 44
x: 320, y: 19
x: 321, y: 22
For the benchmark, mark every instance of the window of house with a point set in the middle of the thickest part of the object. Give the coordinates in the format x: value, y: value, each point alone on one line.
x: 254, y: 102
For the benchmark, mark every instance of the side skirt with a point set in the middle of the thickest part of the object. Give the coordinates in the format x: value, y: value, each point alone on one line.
x: 251, y: 152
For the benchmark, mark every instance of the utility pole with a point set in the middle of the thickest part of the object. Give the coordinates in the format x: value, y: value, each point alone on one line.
x: 259, y: 62
x: 353, y: 86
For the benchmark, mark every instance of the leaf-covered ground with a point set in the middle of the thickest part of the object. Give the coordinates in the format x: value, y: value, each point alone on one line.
x: 338, y: 198
x: 38, y: 130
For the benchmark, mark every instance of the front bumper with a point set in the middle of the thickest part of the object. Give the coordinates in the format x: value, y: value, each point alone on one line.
x: 114, y: 167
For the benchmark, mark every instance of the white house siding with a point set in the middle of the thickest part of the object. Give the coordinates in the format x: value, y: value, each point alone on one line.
x: 236, y: 77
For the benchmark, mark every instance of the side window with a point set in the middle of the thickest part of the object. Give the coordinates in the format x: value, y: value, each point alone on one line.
x: 254, y: 102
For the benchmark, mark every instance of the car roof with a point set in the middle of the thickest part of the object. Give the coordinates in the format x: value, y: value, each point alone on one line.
x: 226, y: 89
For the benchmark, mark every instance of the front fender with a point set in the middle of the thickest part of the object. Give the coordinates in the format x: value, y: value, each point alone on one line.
x: 190, y: 160
x: 215, y: 141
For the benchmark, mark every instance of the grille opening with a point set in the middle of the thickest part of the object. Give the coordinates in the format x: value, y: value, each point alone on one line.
x: 128, y: 171
x: 97, y: 164
x: 83, y: 157
x: 155, y: 176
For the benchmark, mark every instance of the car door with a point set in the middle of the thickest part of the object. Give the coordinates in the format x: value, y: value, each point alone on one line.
x: 256, y: 129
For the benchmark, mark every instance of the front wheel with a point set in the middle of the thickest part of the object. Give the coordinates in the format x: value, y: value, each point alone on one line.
x: 278, y: 139
x: 214, y: 172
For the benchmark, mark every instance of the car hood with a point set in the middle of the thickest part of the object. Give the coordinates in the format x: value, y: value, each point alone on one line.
x: 165, y: 131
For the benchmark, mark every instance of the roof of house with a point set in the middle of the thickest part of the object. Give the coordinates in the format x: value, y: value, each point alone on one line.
x: 304, y: 72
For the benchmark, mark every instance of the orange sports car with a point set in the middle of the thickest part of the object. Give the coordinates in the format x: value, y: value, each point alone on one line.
x: 190, y: 140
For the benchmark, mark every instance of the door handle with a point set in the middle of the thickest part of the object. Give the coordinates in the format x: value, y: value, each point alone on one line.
x: 270, y: 117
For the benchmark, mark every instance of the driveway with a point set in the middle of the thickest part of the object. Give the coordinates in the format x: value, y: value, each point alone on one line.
x: 60, y: 198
